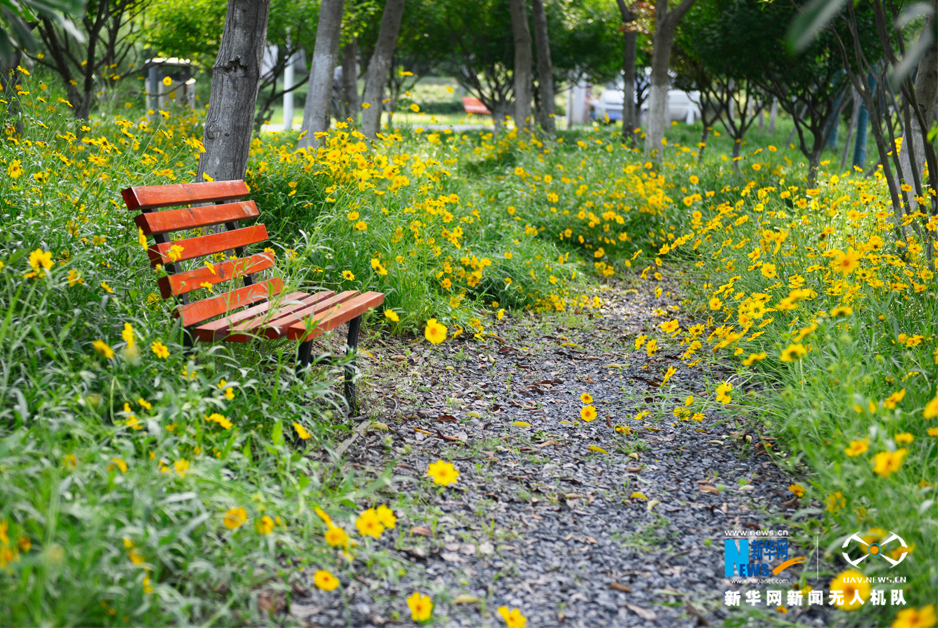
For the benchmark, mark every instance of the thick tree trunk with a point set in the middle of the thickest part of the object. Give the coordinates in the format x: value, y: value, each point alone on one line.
x: 380, y: 65
x: 523, y: 63
x: 665, y: 28
x: 926, y: 93
x: 350, y: 77
x: 235, y: 79
x: 318, y: 98
x: 545, y: 70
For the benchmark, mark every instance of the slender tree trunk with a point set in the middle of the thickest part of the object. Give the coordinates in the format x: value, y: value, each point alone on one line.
x: 704, y: 135
x: 545, y: 71
x: 316, y: 113
x: 350, y: 77
x: 523, y: 63
x: 762, y: 117
x: 665, y: 27
x: 857, y: 103
x: 235, y: 79
x: 773, y: 113
x: 913, y: 142
x: 380, y: 65
x: 629, y: 111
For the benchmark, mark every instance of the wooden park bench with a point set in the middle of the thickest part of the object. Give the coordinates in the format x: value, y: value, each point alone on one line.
x: 245, y: 312
x: 474, y: 105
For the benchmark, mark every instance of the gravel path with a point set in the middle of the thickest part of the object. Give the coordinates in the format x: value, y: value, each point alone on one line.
x: 538, y: 520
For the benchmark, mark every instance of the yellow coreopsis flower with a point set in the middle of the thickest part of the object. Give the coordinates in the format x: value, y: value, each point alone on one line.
x: 421, y: 606
x: 235, y: 518
x: 857, y: 447
x: 855, y: 589
x: 886, y: 463
x: 369, y: 524
x: 103, y: 348
x: 443, y: 473
x: 435, y: 332
x: 325, y: 580
x: 513, y: 618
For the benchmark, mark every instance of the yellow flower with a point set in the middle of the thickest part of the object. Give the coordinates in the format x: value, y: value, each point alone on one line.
x: 392, y: 315
x: 624, y: 429
x: 857, y: 447
x: 235, y: 518
x: 835, y: 502
x: 15, y: 170
x: 843, y: 310
x: 349, y: 275
x: 352, y: 216
x: 167, y: 81
x: 854, y: 586
x: 753, y: 358
x: 40, y: 259
x: 361, y: 225
x: 264, y: 525
x: 793, y: 352
x: 443, y: 473
x: 846, y: 263
x: 916, y: 617
x: 513, y: 618
x: 128, y: 335
x: 904, y: 438
x: 768, y: 271
x: 885, y: 463
x: 74, y: 278
x: 378, y: 268
x: 931, y: 409
x: 723, y: 391
x: 668, y: 374
x: 182, y: 467
x: 421, y: 606
x: 586, y: 398
x: 369, y: 524
x: 220, y: 419
x: 229, y: 394
x: 325, y: 580
x: 435, y: 332
x: 797, y: 489
x: 588, y: 413
x: 160, y: 350
x: 102, y: 347
x: 651, y: 348
x: 386, y: 516
x: 337, y: 537
x: 106, y: 287
x: 118, y: 463
x: 301, y: 431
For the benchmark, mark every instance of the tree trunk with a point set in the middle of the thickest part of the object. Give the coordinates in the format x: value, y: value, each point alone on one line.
x: 318, y: 98
x: 629, y: 111
x: 380, y: 65
x: 350, y: 77
x: 235, y: 79
x: 665, y: 27
x: 773, y: 113
x: 545, y: 71
x: 629, y: 53
x: 851, y: 128
x: 926, y: 93
x: 704, y: 135
x: 523, y: 63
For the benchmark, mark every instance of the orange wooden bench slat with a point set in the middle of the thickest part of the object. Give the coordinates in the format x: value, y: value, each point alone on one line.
x: 474, y: 105
x: 195, y: 313
x: 153, y: 196
x: 200, y: 246
x: 276, y: 326
x: 155, y: 223
x: 334, y: 316
x: 187, y: 281
x: 219, y: 329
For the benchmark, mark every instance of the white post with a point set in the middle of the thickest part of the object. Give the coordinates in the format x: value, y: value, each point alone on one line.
x: 288, y: 97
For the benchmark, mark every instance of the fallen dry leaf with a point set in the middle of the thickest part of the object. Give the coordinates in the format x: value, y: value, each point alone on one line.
x: 644, y: 613
x: 618, y: 586
x: 548, y: 443
x: 706, y: 488
x: 421, y: 530
x: 465, y: 598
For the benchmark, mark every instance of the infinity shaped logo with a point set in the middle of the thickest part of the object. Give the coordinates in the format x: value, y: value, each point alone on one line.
x: 874, y: 549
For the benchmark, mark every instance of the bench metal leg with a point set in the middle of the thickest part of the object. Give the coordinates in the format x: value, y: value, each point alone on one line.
x: 354, y: 327
x: 304, y: 358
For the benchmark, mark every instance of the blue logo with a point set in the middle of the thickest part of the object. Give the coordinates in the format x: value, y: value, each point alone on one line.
x: 752, y: 559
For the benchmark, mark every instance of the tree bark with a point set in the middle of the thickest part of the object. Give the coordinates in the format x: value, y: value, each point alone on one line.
x: 235, y: 79
x: 545, y: 70
x: 316, y: 113
x: 380, y: 65
x: 665, y: 28
x: 350, y: 77
x: 629, y: 57
x: 926, y: 93
x: 773, y: 113
x: 523, y: 63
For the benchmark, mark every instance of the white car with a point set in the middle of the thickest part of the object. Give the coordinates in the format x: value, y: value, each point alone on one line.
x: 681, y: 105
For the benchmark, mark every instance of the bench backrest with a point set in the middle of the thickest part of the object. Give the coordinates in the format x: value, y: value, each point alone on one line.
x: 179, y: 283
